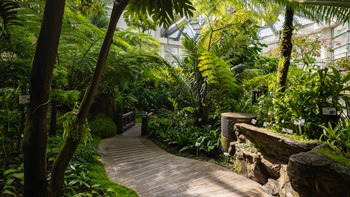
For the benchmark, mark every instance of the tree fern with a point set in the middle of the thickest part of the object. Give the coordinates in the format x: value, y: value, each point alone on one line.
x: 217, y: 72
x: 184, y: 86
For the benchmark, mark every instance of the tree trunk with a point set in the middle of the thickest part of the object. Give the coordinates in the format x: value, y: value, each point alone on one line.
x: 35, y: 132
x: 70, y: 145
x: 286, y: 51
x: 23, y: 120
x: 53, y: 122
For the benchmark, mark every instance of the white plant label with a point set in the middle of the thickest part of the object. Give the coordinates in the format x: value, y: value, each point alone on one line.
x: 290, y: 131
x: 197, y: 144
x: 299, y: 122
x: 24, y: 99
x: 253, y: 121
x: 266, y: 124
x: 329, y: 111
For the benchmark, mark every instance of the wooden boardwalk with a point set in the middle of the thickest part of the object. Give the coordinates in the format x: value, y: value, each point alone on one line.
x: 137, y: 163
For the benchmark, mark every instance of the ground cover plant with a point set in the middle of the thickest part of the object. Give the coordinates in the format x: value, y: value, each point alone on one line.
x: 85, y: 175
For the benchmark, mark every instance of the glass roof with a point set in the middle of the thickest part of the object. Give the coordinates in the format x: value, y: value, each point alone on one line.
x: 273, y: 29
x: 192, y: 28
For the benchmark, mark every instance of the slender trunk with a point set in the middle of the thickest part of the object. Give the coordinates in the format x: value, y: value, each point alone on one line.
x: 118, y: 9
x: 199, y: 80
x: 35, y: 132
x: 23, y: 119
x: 286, y: 42
x: 53, y: 122
x: 202, y: 91
x: 70, y: 145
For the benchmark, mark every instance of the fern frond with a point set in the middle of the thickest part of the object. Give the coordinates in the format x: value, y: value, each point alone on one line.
x: 217, y: 72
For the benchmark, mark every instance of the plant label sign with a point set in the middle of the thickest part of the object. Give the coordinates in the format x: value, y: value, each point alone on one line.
x: 266, y: 124
x: 253, y: 121
x: 300, y: 122
x: 290, y: 131
x: 329, y: 111
x: 24, y: 99
x: 197, y: 144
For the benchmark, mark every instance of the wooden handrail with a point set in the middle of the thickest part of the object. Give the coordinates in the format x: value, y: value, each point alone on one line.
x: 125, y: 121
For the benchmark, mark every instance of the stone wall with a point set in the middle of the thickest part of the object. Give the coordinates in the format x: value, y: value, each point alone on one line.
x: 270, y: 143
x: 287, y: 168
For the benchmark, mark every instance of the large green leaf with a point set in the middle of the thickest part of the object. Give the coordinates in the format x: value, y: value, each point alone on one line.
x: 162, y: 10
x: 8, y: 14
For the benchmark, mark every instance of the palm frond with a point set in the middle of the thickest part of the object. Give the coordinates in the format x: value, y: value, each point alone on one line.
x: 8, y: 14
x: 320, y: 10
x: 160, y: 10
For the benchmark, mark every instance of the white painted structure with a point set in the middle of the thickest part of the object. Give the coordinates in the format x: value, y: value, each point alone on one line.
x: 336, y: 36
x: 171, y: 43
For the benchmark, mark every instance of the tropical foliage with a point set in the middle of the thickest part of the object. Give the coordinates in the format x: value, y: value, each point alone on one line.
x: 215, y: 72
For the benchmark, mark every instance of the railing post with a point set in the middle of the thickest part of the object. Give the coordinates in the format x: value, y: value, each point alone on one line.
x: 120, y: 123
x: 134, y: 117
x: 144, y: 125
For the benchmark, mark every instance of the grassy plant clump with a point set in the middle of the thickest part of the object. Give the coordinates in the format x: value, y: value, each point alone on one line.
x: 102, y: 126
x: 85, y: 175
x: 336, y: 156
x: 104, y: 186
x: 297, y: 137
x: 99, y: 180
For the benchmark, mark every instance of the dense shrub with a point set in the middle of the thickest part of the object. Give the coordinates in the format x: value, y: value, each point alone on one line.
x: 102, y: 126
x: 306, y: 96
x: 185, y: 136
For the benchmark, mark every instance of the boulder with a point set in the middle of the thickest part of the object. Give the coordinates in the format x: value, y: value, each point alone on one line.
x: 285, y: 188
x: 249, y: 165
x: 252, y: 164
x: 272, y: 166
x: 282, y: 187
x: 271, y: 187
x: 314, y: 174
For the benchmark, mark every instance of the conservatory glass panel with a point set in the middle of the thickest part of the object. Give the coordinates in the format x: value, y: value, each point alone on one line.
x: 340, y: 40
x: 340, y: 52
x: 169, y: 52
x: 340, y: 29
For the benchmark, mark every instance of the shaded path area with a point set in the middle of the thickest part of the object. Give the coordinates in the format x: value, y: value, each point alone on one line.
x: 137, y: 163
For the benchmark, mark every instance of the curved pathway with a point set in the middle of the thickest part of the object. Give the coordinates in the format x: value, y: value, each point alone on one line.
x: 137, y: 163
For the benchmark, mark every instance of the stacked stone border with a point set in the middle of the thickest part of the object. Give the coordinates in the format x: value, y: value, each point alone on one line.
x: 286, y: 167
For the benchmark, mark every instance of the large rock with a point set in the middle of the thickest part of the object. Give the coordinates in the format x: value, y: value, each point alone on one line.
x: 285, y: 187
x: 254, y: 165
x: 314, y: 174
x: 249, y: 165
x: 270, y: 143
x: 271, y: 187
x: 282, y: 187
